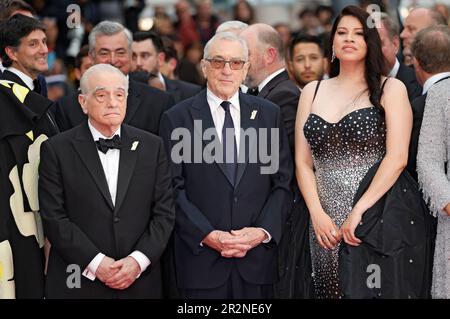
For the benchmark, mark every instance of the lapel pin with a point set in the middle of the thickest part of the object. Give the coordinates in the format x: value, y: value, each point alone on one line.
x: 134, y: 145
x: 253, y: 116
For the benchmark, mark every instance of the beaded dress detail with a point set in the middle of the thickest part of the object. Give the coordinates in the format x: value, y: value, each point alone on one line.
x: 342, y: 152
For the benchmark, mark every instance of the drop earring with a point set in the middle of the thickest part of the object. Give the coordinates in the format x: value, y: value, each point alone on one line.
x: 333, y: 56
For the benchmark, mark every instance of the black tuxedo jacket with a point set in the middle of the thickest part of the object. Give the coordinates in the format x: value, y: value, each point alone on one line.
x: 207, y: 200
x: 81, y: 221
x: 407, y: 75
x: 181, y: 90
x: 7, y: 75
x: 145, y: 106
x: 418, y: 106
x: 284, y: 93
x: 10, y: 76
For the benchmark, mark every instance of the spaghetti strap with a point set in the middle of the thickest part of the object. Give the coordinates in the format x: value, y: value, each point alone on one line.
x: 317, y: 88
x: 382, y: 86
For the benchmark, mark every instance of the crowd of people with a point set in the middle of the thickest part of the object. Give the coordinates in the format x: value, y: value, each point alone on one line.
x: 224, y: 159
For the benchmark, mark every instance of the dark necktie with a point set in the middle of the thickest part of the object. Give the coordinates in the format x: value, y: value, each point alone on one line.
x: 229, y: 145
x: 37, y: 86
x: 253, y: 91
x: 103, y: 145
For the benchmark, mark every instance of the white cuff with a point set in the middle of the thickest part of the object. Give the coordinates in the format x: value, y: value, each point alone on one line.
x: 269, y: 238
x: 91, y: 269
x: 141, y: 259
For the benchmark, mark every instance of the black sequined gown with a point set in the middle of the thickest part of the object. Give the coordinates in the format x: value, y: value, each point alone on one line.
x: 342, y: 153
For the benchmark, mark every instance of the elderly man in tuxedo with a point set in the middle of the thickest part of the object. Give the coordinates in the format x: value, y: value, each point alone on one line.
x: 230, y: 211
x: 106, y: 199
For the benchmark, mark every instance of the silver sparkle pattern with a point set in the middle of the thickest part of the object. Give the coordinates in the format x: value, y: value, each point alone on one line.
x: 342, y: 152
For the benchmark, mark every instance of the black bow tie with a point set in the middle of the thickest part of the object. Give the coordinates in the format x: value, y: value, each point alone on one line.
x: 104, y: 145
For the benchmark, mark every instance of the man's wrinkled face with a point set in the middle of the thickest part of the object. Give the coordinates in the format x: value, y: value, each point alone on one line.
x: 224, y: 81
x: 114, y: 50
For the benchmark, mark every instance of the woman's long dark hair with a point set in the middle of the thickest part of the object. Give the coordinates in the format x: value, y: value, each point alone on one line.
x: 374, y: 62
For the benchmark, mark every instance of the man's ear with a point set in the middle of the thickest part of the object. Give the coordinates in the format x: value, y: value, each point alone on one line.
x: 203, y: 67
x: 161, y: 58
x: 11, y: 53
x: 271, y: 55
x: 82, y: 101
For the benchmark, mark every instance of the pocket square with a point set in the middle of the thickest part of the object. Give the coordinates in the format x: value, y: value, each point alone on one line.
x: 134, y: 145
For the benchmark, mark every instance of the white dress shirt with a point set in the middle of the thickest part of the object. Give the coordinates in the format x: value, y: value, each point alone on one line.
x: 110, y: 164
x: 24, y: 77
x: 268, y: 79
x: 429, y: 83
x: 218, y: 115
x: 395, y: 69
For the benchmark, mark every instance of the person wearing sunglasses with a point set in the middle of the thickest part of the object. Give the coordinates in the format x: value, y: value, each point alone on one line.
x: 229, y: 214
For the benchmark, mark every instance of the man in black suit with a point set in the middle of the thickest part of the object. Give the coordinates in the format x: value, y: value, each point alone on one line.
x: 110, y: 42
x: 12, y: 34
x: 267, y: 76
x: 230, y: 213
x: 105, y: 198
x: 430, y: 69
x: 23, y: 62
x: 148, y: 55
x: 390, y: 42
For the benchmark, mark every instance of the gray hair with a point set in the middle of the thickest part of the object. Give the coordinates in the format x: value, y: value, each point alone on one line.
x: 431, y: 48
x: 232, y: 26
x: 108, y: 28
x: 100, y: 68
x: 229, y: 36
x: 390, y: 25
x: 267, y: 35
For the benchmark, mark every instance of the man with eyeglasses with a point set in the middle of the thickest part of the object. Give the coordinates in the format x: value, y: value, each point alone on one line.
x: 110, y: 42
x: 229, y: 213
x: 106, y: 199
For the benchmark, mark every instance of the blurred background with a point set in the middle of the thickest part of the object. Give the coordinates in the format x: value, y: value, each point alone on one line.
x: 187, y: 25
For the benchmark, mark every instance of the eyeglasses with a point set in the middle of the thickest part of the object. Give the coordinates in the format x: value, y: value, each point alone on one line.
x: 220, y: 63
x: 103, y: 95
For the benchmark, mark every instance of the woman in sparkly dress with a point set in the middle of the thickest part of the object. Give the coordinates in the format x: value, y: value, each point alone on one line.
x: 345, y: 125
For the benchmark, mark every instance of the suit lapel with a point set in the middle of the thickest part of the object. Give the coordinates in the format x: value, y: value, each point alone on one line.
x: 200, y: 111
x: 10, y: 76
x: 85, y: 147
x: 249, y: 119
x: 133, y: 101
x: 127, y: 163
x: 273, y: 83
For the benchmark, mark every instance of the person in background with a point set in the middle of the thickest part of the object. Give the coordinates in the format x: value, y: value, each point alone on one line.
x: 390, y: 44
x: 306, y: 59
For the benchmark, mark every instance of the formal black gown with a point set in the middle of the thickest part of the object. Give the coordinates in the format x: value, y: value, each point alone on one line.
x: 343, y: 152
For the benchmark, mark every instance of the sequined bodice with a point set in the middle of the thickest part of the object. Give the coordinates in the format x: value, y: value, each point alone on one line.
x: 342, y: 152
x: 358, y: 139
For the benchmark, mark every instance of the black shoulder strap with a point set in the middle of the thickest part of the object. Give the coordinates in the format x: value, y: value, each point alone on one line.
x: 382, y: 86
x: 317, y: 89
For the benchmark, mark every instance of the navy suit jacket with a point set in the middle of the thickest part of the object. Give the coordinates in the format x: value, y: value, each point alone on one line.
x: 206, y: 199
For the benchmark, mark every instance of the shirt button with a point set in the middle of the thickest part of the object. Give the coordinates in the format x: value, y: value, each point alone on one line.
x: 116, y: 219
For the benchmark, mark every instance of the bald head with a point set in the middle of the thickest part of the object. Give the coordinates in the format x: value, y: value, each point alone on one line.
x: 266, y: 52
x: 266, y: 35
x: 419, y: 19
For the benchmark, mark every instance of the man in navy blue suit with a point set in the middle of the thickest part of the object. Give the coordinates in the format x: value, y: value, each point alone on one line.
x: 232, y: 200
